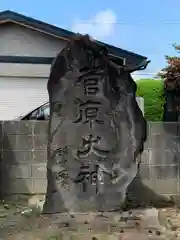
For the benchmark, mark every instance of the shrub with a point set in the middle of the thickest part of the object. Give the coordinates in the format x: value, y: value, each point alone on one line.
x: 152, y: 92
x: 171, y: 73
x: 171, y: 77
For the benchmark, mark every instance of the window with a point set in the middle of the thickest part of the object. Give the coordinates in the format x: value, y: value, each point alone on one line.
x: 46, y: 112
x: 33, y: 115
x: 42, y: 113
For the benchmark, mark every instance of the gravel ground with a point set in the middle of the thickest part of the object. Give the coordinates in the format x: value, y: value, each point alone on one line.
x: 142, y: 224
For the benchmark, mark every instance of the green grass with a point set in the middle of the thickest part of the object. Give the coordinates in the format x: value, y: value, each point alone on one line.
x: 152, y: 92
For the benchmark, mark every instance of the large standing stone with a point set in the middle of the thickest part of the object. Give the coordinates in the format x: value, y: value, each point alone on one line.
x: 96, y: 130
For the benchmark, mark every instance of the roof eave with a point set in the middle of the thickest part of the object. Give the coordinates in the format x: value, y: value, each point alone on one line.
x: 10, y: 16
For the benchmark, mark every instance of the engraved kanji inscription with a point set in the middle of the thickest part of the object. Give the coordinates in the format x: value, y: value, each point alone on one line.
x: 88, y: 112
x: 62, y: 176
x: 87, y: 145
x: 59, y: 168
x: 87, y: 176
x: 59, y: 154
x: 91, y: 83
x: 91, y: 86
x: 62, y: 151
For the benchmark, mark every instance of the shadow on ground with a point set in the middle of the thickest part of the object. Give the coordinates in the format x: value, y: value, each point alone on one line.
x: 141, y: 196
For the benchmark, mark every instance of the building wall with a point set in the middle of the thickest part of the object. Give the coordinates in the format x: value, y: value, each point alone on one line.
x: 24, y: 157
x: 17, y: 40
x: 24, y: 85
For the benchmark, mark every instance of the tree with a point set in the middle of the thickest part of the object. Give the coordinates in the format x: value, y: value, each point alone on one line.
x: 171, y: 77
x: 171, y: 73
x: 152, y: 92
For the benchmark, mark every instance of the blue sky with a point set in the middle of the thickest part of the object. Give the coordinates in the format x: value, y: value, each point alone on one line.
x: 145, y: 27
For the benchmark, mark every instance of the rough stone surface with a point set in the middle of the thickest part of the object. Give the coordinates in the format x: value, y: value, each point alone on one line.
x: 97, y: 130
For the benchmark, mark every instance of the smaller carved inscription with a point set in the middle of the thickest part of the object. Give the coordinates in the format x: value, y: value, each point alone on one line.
x: 59, y: 154
x: 88, y: 112
x: 63, y: 151
x: 59, y: 168
x: 62, y: 175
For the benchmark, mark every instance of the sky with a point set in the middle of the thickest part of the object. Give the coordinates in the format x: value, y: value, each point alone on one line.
x: 144, y: 27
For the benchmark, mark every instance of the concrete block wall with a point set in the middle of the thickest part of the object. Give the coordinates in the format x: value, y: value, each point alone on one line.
x: 160, y: 167
x: 24, y: 155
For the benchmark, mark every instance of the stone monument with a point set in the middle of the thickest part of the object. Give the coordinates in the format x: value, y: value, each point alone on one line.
x: 96, y: 130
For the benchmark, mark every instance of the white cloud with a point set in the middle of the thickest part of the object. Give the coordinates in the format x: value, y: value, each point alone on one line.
x: 149, y: 73
x: 99, y: 27
x: 142, y: 75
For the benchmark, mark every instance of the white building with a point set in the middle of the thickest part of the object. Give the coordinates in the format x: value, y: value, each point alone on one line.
x: 27, y: 48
